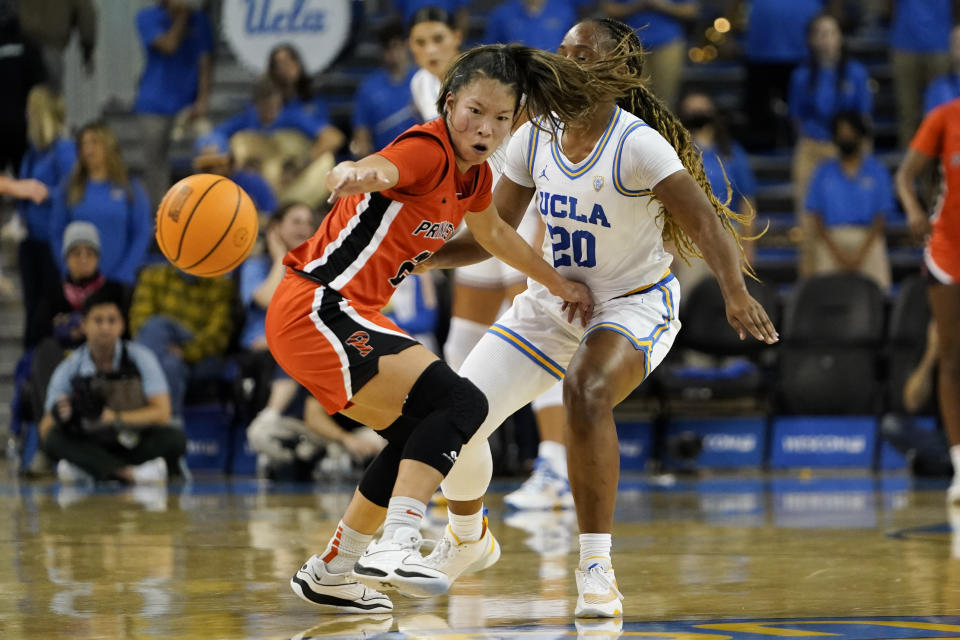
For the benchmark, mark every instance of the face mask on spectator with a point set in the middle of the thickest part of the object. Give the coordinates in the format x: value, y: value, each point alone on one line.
x: 695, y: 121
x: 848, y: 147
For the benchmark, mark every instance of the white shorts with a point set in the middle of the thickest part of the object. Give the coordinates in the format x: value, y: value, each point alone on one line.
x: 537, y: 327
x: 528, y: 349
x: 491, y: 273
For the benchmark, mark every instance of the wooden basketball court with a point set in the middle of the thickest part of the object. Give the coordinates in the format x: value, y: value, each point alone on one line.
x: 730, y: 558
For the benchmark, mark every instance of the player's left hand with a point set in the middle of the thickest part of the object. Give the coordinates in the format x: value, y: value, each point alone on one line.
x: 577, y: 297
x: 746, y: 315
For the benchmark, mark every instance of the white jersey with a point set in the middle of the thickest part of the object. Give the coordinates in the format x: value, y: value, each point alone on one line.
x: 600, y: 213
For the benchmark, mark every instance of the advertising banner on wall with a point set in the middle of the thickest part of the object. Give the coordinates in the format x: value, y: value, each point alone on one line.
x: 317, y: 28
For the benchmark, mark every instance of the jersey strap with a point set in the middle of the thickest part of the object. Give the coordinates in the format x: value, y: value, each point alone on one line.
x: 617, y: 182
x: 592, y: 159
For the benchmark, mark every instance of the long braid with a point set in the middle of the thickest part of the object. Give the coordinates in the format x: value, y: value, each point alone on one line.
x: 641, y: 102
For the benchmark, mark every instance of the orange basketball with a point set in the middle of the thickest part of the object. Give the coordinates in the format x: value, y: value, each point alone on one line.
x: 206, y: 225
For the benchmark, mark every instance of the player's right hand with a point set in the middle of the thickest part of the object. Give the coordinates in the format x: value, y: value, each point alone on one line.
x: 347, y: 179
x: 577, y: 297
x: 919, y: 224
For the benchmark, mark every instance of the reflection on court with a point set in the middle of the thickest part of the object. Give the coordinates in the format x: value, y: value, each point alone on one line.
x: 730, y: 558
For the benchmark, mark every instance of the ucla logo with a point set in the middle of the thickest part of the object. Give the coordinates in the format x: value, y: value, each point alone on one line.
x: 597, y: 183
x: 317, y: 28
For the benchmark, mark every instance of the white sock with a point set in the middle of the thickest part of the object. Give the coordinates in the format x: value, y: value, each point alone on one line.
x: 955, y: 459
x: 344, y: 549
x: 466, y: 528
x: 556, y: 454
x: 463, y: 336
x: 594, y: 548
x: 403, y: 512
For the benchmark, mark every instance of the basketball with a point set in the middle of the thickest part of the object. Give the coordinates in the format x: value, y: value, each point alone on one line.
x: 206, y: 225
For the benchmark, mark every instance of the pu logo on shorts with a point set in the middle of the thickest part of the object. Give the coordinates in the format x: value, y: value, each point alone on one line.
x: 359, y: 341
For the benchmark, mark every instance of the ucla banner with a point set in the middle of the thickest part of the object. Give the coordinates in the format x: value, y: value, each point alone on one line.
x: 317, y: 28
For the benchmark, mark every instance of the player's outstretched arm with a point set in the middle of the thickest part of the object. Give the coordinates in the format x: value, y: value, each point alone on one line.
x: 689, y: 206
x: 373, y: 173
x: 463, y: 249
x: 503, y: 241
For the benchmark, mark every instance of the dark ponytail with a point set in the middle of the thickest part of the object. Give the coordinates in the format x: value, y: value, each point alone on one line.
x: 552, y: 87
x: 641, y: 102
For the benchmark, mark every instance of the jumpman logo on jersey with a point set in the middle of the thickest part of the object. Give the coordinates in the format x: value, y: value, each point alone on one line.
x: 543, y: 173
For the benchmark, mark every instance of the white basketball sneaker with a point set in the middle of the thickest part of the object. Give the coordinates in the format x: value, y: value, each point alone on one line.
x: 396, y: 563
x: 544, y: 489
x: 340, y: 592
x: 450, y: 559
x: 598, y: 595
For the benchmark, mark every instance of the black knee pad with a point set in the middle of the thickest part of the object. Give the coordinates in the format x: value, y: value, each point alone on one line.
x: 452, y: 407
x: 378, y: 479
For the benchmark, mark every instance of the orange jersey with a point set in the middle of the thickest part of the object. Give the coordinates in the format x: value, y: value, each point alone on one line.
x: 370, y: 242
x: 939, y: 137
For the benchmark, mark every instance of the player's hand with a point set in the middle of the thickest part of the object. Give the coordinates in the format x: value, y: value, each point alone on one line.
x: 746, y: 315
x: 919, y: 224
x: 577, y: 298
x: 424, y: 266
x: 347, y: 179
x: 33, y: 190
x: 275, y: 246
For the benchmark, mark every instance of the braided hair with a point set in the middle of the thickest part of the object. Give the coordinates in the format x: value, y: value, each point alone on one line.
x: 641, y: 102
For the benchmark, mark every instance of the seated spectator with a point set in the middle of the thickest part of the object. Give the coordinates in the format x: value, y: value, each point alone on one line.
x: 284, y: 144
x: 456, y: 8
x: 285, y: 69
x: 99, y: 191
x: 107, y: 411
x: 828, y: 83
x: 849, y: 199
x: 178, y: 44
x: 60, y: 313
x: 724, y: 161
x: 946, y: 87
x: 48, y: 161
x: 186, y: 321
x: 659, y: 24
x: 919, y: 42
x: 540, y: 24
x: 383, y: 105
x: 212, y: 155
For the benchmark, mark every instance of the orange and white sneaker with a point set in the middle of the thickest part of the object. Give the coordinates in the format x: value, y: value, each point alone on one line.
x: 598, y: 595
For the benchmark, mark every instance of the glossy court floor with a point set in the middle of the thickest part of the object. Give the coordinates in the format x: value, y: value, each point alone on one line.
x: 858, y: 558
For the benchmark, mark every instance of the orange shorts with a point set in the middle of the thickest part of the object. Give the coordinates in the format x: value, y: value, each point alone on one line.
x: 327, y: 343
x: 942, y: 257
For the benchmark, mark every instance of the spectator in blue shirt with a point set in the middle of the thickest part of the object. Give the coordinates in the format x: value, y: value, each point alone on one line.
x: 383, y: 105
x: 540, y: 24
x: 285, y: 68
x: 48, y: 161
x: 99, y: 191
x: 774, y: 44
x: 212, y: 155
x: 724, y: 161
x: 946, y: 87
x: 660, y: 25
x: 919, y: 41
x: 828, y: 83
x: 456, y: 8
x: 178, y: 44
x: 414, y: 308
x: 849, y: 200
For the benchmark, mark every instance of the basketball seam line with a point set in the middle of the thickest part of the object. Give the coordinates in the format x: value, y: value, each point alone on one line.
x: 226, y: 231
x: 186, y: 225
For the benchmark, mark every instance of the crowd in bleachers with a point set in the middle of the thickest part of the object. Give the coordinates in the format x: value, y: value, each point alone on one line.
x: 85, y: 218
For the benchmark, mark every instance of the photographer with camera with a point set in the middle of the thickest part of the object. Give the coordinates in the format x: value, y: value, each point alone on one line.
x: 107, y: 411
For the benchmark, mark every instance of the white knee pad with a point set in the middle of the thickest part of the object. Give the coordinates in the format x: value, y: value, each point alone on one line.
x: 471, y: 474
x: 552, y: 397
x: 464, y: 335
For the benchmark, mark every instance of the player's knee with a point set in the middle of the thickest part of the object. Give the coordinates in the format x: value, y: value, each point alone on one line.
x: 440, y: 388
x: 587, y: 396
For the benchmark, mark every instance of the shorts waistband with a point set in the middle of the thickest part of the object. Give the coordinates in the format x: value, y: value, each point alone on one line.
x: 664, y: 279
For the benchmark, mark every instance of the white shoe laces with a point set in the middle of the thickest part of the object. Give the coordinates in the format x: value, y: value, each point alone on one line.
x: 441, y: 552
x: 597, y: 574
